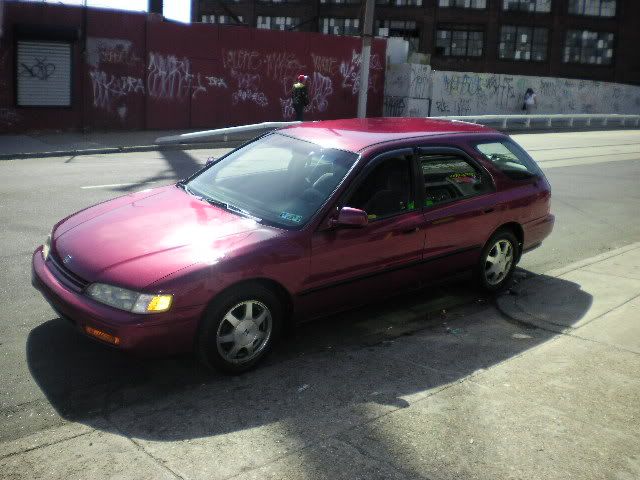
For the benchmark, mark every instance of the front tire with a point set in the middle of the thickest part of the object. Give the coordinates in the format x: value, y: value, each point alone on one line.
x: 240, y: 329
x: 498, y: 261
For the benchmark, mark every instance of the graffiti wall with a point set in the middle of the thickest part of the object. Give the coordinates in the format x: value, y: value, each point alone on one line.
x: 407, y: 90
x: 413, y: 90
x: 135, y: 72
x: 463, y: 93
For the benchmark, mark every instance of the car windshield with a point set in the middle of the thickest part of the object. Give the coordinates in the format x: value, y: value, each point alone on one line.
x: 277, y: 179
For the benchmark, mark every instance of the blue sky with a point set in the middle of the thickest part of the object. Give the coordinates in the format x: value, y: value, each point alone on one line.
x: 179, y: 10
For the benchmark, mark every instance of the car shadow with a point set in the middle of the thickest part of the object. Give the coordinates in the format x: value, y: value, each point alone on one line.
x: 179, y: 165
x: 323, y: 370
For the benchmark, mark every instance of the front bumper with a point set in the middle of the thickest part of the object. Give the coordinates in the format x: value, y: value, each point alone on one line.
x: 169, y: 332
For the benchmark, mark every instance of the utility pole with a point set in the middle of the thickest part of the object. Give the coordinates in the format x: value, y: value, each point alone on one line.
x: 367, y: 36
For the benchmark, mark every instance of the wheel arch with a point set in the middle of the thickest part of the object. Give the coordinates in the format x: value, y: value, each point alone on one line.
x: 517, y: 230
x: 277, y: 288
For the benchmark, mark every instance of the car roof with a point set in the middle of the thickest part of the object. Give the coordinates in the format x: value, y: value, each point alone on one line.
x: 356, y: 134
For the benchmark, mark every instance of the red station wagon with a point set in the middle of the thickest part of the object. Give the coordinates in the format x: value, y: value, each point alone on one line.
x: 299, y: 223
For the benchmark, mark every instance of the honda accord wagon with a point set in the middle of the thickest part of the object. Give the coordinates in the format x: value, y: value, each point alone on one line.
x: 299, y: 223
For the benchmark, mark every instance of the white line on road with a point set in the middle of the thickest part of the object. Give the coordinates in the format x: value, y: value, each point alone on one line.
x: 573, y: 162
x: 114, y: 185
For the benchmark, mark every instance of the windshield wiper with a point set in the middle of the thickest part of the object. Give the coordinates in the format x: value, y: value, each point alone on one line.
x: 184, y: 187
x: 232, y: 208
x: 218, y: 203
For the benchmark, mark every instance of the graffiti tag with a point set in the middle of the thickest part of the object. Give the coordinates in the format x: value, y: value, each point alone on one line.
x: 40, y: 69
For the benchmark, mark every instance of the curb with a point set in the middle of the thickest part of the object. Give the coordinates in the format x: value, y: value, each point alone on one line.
x: 513, y: 302
x: 127, y: 149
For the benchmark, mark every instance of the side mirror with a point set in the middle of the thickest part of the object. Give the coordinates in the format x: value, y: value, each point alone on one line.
x: 350, y: 217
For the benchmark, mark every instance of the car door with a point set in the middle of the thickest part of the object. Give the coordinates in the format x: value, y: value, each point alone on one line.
x: 350, y: 266
x: 460, y: 210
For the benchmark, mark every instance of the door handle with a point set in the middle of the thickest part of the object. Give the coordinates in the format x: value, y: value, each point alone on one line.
x: 443, y: 220
x: 488, y: 210
x: 409, y: 231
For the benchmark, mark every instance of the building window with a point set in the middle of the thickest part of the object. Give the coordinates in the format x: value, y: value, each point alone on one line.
x: 400, y: 3
x: 523, y: 43
x: 341, y: 2
x: 340, y: 26
x: 43, y: 73
x: 479, y: 4
x: 459, y: 42
x: 537, y: 6
x: 223, y: 19
x: 593, y: 48
x: 593, y: 8
x: 407, y: 29
x: 278, y: 23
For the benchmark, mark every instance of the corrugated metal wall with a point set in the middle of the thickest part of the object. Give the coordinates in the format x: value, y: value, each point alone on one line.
x: 131, y: 71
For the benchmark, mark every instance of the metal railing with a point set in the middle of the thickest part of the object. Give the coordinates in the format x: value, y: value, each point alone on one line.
x: 508, y: 123
x: 223, y: 133
x: 547, y: 122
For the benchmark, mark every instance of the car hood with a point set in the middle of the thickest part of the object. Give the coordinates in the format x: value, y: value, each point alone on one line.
x: 138, y: 239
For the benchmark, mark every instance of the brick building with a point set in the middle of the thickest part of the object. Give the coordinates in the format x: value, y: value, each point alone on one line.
x: 591, y: 39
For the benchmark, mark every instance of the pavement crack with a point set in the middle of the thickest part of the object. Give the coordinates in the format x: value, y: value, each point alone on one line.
x: 368, y: 455
x: 157, y: 460
x: 44, y: 445
x: 107, y: 417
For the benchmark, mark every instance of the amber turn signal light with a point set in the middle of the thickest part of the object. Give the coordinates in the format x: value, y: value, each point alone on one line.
x: 104, y: 336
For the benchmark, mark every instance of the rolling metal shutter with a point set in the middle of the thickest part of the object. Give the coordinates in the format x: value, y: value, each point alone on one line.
x: 44, y: 74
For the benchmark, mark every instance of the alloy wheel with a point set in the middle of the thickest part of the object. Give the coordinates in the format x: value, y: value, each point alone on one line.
x: 498, y: 262
x: 244, y: 332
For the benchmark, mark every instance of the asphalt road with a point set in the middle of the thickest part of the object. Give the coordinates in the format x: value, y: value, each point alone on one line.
x: 50, y: 375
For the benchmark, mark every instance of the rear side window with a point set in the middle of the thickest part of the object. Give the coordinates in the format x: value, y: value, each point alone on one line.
x: 510, y: 159
x: 450, y: 177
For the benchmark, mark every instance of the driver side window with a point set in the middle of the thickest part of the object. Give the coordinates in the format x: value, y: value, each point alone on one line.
x: 449, y: 177
x: 387, y: 190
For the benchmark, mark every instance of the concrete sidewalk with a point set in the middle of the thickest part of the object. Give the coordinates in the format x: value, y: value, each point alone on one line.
x: 542, y: 385
x: 75, y: 143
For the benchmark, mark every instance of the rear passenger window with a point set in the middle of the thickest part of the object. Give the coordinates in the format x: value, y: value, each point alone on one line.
x: 451, y: 177
x: 510, y: 159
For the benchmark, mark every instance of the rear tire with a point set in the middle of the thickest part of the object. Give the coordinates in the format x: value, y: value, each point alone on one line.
x: 239, y: 329
x: 498, y: 261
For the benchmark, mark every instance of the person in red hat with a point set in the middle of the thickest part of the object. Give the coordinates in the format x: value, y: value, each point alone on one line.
x: 300, y: 96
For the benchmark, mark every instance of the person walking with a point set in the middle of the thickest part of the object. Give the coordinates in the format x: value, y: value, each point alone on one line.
x: 530, y: 101
x: 300, y: 97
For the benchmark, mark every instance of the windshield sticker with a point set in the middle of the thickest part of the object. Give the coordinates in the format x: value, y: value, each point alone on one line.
x: 292, y: 217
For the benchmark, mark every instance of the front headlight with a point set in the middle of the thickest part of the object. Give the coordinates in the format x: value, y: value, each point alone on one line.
x: 129, y: 300
x: 46, y: 247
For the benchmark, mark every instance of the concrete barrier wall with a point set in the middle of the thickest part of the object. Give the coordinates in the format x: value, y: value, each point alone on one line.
x: 407, y: 89
x: 465, y: 93
x: 410, y: 89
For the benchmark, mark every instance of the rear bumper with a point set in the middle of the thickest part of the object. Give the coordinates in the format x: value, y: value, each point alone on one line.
x: 170, y: 332
x: 536, y: 231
